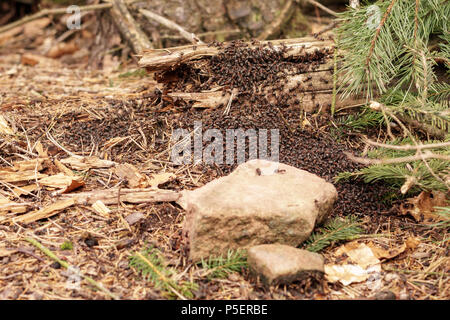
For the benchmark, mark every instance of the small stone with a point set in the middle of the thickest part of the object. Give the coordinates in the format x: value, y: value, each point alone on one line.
x: 385, y: 295
x: 134, y: 218
x: 282, y: 264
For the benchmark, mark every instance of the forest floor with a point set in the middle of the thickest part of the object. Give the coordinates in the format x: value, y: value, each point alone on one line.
x: 122, y: 118
x: 66, y: 128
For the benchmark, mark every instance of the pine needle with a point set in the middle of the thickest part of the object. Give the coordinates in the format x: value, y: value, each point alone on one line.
x: 220, y: 267
x: 335, y: 230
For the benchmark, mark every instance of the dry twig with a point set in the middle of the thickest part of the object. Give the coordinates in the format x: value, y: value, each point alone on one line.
x: 171, y: 25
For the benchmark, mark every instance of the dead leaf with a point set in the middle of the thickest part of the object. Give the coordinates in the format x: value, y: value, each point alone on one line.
x: 412, y: 243
x: 34, y: 59
x: 349, y: 273
x: 387, y: 254
x: 357, y: 266
x: 134, y: 218
x: 421, y: 208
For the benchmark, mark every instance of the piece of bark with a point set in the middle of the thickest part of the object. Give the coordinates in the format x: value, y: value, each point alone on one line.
x: 14, y: 207
x: 210, y: 99
x: 128, y: 27
x: 83, y: 163
x: 20, y: 176
x: 111, y: 196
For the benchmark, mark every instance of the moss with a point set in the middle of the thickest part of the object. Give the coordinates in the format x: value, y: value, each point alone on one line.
x: 67, y: 245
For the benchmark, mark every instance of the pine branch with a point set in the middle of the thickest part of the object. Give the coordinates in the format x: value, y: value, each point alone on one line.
x: 375, y: 37
x: 335, y: 230
x: 220, y: 267
x: 444, y: 212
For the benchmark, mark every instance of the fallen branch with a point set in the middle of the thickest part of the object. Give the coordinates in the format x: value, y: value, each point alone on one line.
x: 168, y: 58
x: 407, y: 147
x: 378, y: 106
x: 321, y: 6
x: 110, y: 196
x: 423, y: 156
x: 128, y: 27
x: 171, y: 25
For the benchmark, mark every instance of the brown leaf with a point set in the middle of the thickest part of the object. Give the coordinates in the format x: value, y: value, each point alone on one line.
x: 387, y: 254
x: 421, y: 208
x: 134, y: 218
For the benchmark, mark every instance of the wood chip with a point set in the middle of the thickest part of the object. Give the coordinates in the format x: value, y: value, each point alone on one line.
x: 46, y: 212
x: 61, y: 181
x: 101, y: 209
x: 132, y: 175
x: 83, y: 163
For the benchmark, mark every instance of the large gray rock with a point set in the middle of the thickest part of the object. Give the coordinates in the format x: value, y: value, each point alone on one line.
x: 278, y: 264
x: 260, y: 202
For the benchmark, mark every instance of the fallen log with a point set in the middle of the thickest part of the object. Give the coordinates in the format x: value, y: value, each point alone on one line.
x: 171, y: 58
x: 309, y: 89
